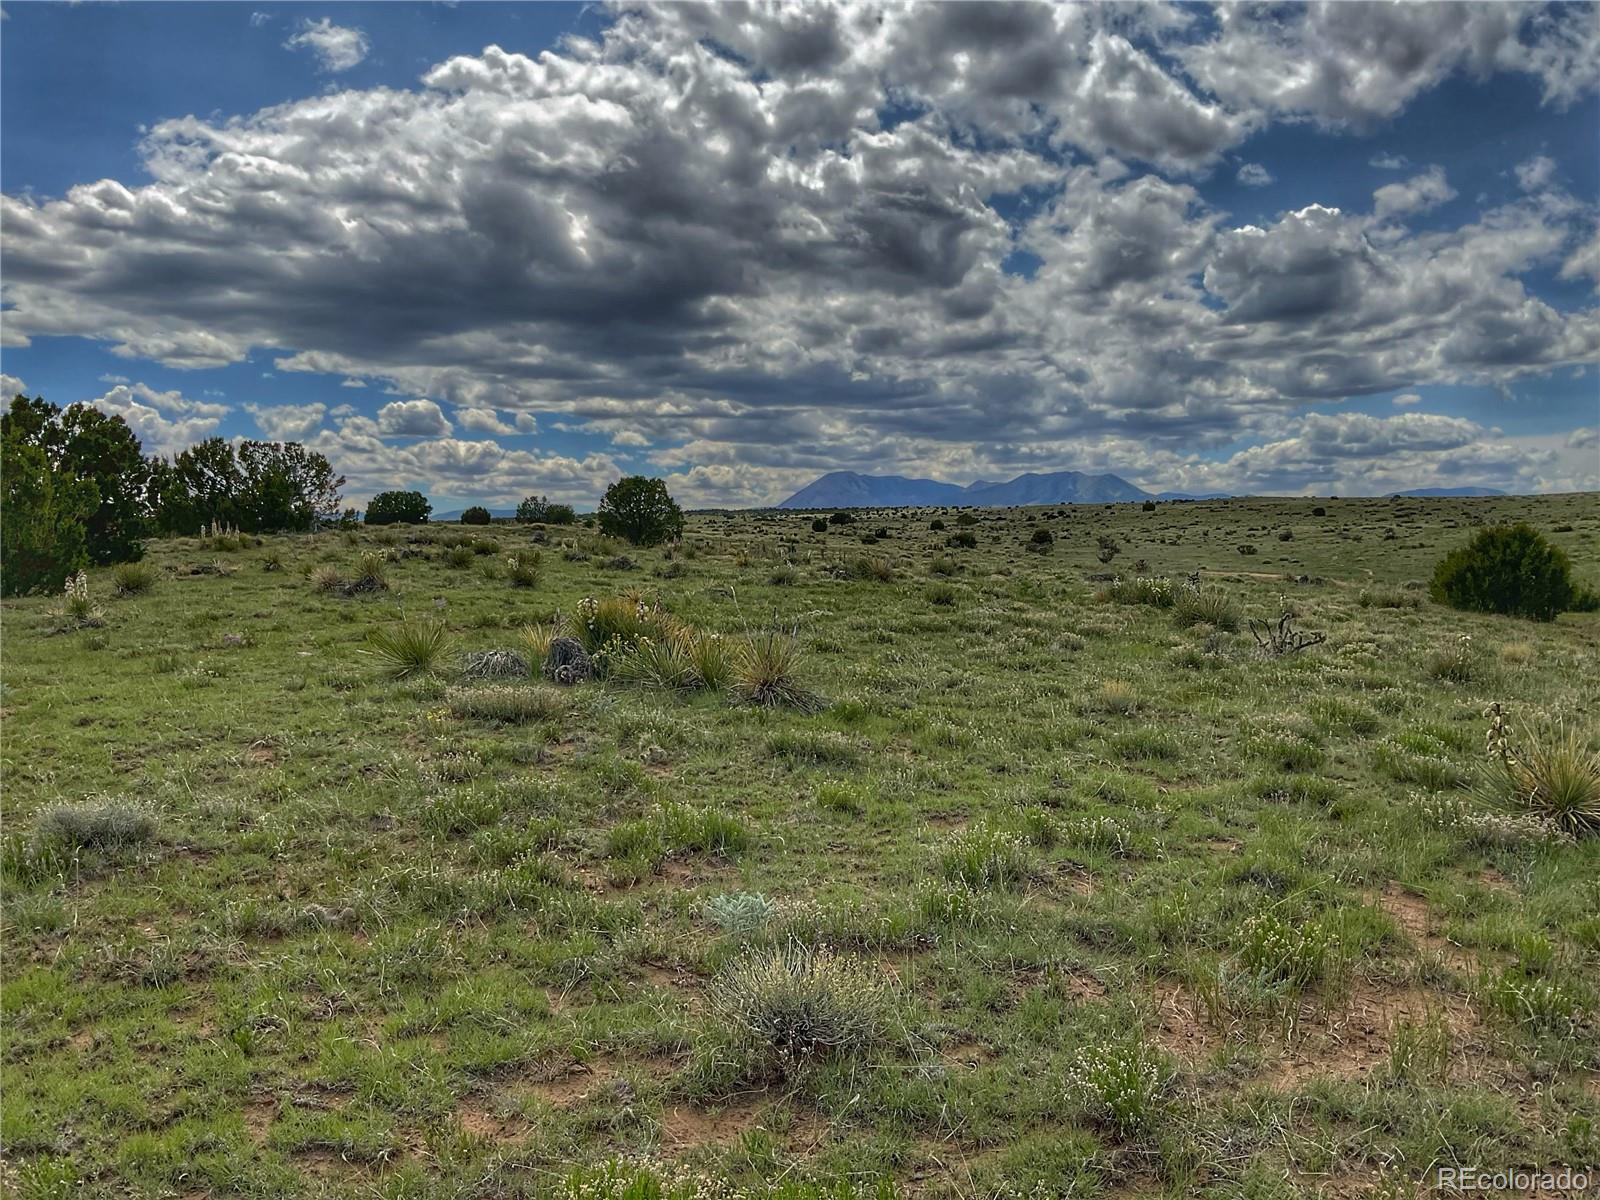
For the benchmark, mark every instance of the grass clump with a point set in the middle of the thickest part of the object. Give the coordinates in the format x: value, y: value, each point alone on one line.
x: 325, y: 577
x: 416, y: 646
x: 1295, y: 954
x: 522, y: 570
x: 985, y: 857
x: 1158, y: 593
x: 459, y: 557
x: 942, y: 595
x: 1205, y: 606
x: 1121, y: 1082
x: 133, y: 578
x: 372, y: 573
x: 787, y: 1006
x: 92, y: 825
x: 505, y: 704
x: 765, y: 672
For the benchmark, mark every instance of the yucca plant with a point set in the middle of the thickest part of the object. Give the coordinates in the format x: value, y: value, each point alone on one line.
x: 712, y: 660
x: 764, y: 672
x: 416, y: 646
x: 663, y: 663
x: 326, y: 578
x: 1204, y: 606
x: 537, y: 638
x: 372, y: 572
x: 623, y: 619
x: 133, y: 578
x: 523, y: 569
x: 1553, y: 774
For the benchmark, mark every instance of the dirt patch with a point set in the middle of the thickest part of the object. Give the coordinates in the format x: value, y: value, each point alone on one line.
x: 1412, y: 914
x: 667, y: 978
x: 259, y: 1113
x: 478, y: 1118
x: 684, y: 1125
x: 1356, y: 1041
x: 1181, y: 1027
x: 571, y: 1087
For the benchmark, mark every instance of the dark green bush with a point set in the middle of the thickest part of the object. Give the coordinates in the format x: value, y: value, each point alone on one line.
x: 1509, y: 569
x: 476, y: 515
x: 389, y: 508
x: 640, y: 510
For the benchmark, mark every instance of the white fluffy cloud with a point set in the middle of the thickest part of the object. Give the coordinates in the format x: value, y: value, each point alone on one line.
x: 337, y: 47
x: 287, y: 422
x: 1254, y: 175
x: 165, y: 422
x: 412, y: 418
x: 11, y: 386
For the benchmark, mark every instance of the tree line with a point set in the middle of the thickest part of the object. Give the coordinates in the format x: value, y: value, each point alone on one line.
x: 78, y: 489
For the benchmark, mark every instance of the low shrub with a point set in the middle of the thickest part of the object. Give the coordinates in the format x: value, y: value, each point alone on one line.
x: 459, y: 557
x: 522, y: 570
x: 92, y: 825
x: 1512, y: 570
x: 1158, y: 593
x: 505, y: 704
x: 787, y: 1006
x: 1121, y: 1082
x: 740, y: 914
x: 476, y: 515
x: 1552, y: 774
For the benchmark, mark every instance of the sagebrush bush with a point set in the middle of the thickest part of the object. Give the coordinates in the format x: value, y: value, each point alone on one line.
x: 133, y: 578
x: 506, y: 704
x: 1512, y: 570
x: 92, y: 825
x: 416, y: 646
x: 740, y: 914
x: 790, y: 1005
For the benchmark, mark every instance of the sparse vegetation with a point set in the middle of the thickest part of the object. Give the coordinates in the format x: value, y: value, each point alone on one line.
x: 1085, y: 894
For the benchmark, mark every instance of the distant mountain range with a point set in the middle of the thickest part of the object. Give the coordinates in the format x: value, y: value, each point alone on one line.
x: 849, y: 489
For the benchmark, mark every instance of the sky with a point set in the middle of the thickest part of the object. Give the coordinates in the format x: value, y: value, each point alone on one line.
x: 493, y: 250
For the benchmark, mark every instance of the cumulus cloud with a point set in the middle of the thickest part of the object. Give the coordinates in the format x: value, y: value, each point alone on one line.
x: 165, y: 422
x: 482, y: 420
x: 11, y: 386
x: 1406, y: 400
x: 412, y: 418
x: 287, y: 422
x: 768, y: 241
x: 1254, y: 175
x: 1417, y: 194
x: 337, y: 47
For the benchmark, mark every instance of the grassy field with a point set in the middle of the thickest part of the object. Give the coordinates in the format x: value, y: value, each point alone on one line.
x: 1084, y: 901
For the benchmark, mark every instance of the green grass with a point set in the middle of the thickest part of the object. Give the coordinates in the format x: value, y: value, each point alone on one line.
x: 963, y: 880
